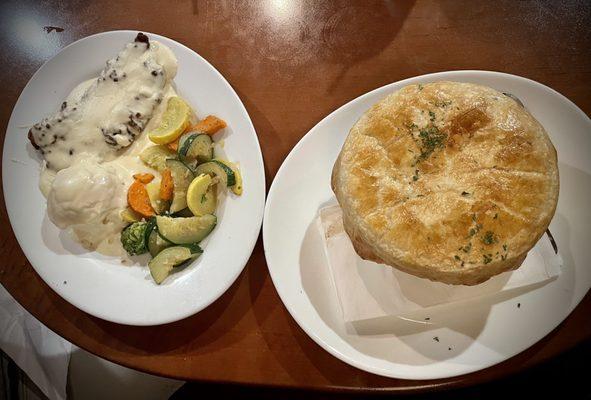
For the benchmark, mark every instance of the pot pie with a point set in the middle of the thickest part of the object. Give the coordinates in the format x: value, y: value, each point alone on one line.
x: 449, y: 181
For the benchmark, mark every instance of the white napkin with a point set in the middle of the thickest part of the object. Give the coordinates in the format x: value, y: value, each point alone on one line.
x: 368, y: 290
x: 43, y: 355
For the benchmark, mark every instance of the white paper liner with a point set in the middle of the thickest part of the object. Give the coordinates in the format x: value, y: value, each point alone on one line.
x: 369, y: 290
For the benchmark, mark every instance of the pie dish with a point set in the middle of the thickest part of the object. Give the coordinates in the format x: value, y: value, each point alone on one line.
x: 449, y: 181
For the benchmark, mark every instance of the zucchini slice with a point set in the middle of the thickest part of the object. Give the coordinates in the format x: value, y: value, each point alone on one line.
x: 195, y: 148
x: 185, y: 230
x: 149, y: 228
x: 185, y: 212
x: 208, y: 202
x: 237, y: 187
x: 156, y: 244
x: 182, y: 177
x: 194, y: 247
x: 128, y: 215
x: 156, y: 156
x: 167, y: 259
x: 201, y: 196
x: 218, y: 169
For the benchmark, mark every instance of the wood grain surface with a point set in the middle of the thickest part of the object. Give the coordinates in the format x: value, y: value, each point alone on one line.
x: 292, y: 63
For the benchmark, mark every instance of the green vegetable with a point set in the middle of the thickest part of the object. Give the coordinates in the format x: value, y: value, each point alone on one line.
x: 156, y: 156
x: 133, y: 238
x: 218, y: 169
x: 185, y: 230
x: 167, y: 259
x: 156, y: 244
x: 182, y: 177
x: 195, y: 148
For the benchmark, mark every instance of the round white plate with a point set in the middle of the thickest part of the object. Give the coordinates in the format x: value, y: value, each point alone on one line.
x: 457, y: 339
x: 100, y: 285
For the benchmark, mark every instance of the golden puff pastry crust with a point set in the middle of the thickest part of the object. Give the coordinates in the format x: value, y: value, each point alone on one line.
x: 449, y: 181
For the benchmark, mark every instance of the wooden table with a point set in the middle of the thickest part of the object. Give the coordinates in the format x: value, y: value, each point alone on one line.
x: 291, y: 63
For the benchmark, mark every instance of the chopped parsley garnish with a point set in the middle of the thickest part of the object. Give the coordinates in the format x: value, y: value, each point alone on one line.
x: 489, y: 238
x: 496, y: 216
x: 416, y: 175
x: 487, y: 258
x: 431, y: 116
x: 474, y: 217
x: 442, y: 103
x: 420, y: 87
x: 457, y: 257
x: 431, y: 139
x: 472, y: 232
x: 465, y: 194
x: 203, y: 198
x: 505, y: 246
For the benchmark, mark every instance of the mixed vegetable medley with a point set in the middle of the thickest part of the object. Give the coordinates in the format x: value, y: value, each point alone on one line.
x: 171, y: 211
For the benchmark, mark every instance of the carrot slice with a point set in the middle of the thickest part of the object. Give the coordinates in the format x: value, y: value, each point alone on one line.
x: 138, y: 199
x: 166, y: 185
x: 209, y: 125
x: 174, y: 146
x: 143, y: 178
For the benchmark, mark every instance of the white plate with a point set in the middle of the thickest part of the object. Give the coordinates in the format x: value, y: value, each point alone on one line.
x: 471, y: 336
x: 100, y: 285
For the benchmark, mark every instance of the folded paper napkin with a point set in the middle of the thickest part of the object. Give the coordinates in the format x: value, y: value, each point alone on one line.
x: 368, y: 290
x: 39, y: 352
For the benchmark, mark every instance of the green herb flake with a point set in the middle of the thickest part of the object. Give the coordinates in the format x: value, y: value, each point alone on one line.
x: 505, y: 247
x: 457, y: 257
x: 420, y: 87
x: 474, y: 217
x: 503, y: 257
x: 465, y: 194
x: 466, y: 248
x: 442, y: 103
x: 487, y: 258
x: 203, y: 199
x: 472, y: 232
x: 431, y: 139
x: 416, y: 175
x: 496, y: 216
x: 489, y: 238
x: 432, y: 116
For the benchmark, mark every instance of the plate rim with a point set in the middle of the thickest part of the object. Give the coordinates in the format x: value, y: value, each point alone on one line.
x: 272, y: 193
x: 249, y: 245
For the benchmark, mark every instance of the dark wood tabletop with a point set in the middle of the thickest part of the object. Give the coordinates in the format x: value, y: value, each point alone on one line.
x: 291, y: 62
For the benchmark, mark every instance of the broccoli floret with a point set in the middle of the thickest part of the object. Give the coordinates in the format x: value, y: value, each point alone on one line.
x: 133, y: 238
